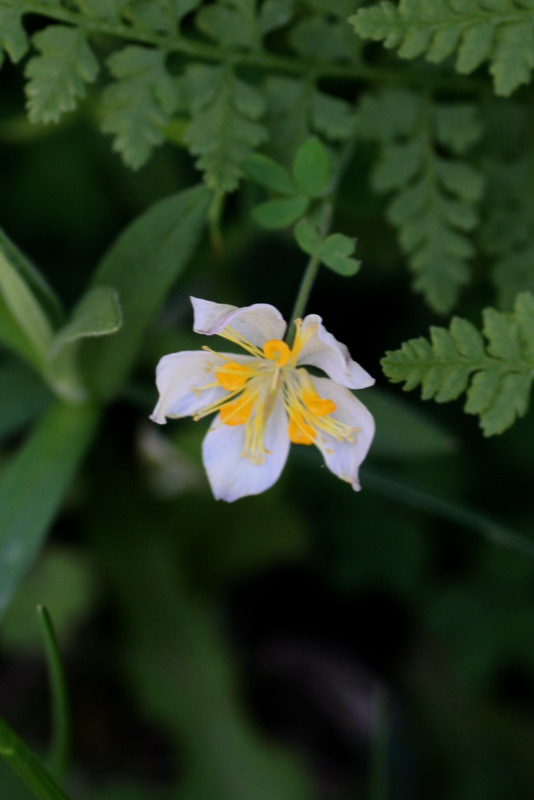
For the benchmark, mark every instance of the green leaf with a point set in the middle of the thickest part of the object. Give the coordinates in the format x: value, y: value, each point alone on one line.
x: 321, y: 38
x: 57, y: 77
x: 311, y: 168
x: 225, y: 128
x: 138, y: 106
x: 23, y: 762
x: 280, y: 213
x: 231, y: 22
x: 508, y: 232
x: 97, y: 314
x: 142, y: 265
x: 24, y: 326
x: 106, y: 10
x: 13, y: 38
x: 335, y: 252
x: 275, y: 14
x: 34, y: 485
x: 435, y: 192
x: 307, y: 237
x: 501, y: 33
x: 268, y: 173
x: 331, y: 116
x: 47, y: 298
x: 497, y: 376
x: 30, y: 400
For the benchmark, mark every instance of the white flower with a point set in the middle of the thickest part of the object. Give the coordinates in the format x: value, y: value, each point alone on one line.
x: 265, y: 399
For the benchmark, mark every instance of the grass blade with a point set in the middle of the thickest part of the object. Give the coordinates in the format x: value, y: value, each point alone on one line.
x: 59, y: 748
x: 33, y: 486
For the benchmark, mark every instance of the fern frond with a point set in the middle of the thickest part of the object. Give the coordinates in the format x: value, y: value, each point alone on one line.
x: 58, y: 76
x: 13, y: 38
x: 500, y: 32
x: 224, y: 128
x: 137, y: 107
x: 497, y: 376
x: 508, y: 234
x: 435, y: 192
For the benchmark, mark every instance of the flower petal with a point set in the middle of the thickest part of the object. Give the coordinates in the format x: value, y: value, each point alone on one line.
x: 257, y: 323
x: 324, y: 351
x: 231, y: 475
x: 343, y: 458
x: 180, y: 378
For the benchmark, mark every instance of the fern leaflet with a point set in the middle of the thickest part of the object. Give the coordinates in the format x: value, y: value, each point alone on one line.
x: 497, y: 376
x: 434, y: 206
x: 137, y: 107
x: 57, y: 76
x: 224, y: 128
x: 498, y: 31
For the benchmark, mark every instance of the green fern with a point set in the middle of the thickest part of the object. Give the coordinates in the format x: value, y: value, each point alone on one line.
x: 508, y: 235
x: 296, y: 109
x: 138, y: 106
x: 224, y: 128
x: 13, y: 37
x: 435, y: 194
x: 58, y: 76
x: 233, y: 23
x: 498, y: 31
x: 497, y: 376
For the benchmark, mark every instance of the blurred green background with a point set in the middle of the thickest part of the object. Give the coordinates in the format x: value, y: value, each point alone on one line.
x: 243, y: 652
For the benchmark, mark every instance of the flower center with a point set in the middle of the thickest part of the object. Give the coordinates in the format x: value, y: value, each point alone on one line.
x: 252, y: 389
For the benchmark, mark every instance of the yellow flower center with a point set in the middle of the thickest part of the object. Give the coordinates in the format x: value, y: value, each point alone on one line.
x: 253, y: 387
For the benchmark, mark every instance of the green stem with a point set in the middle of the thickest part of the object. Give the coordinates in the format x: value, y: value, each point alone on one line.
x: 325, y: 221
x: 60, y: 706
x: 468, y: 518
x: 259, y: 59
x: 378, y: 768
x: 23, y: 762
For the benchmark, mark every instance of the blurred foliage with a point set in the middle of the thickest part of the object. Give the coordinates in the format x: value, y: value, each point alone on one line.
x: 227, y: 651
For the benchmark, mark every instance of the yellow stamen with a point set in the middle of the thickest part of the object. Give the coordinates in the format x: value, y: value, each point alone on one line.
x: 276, y: 350
x: 300, y: 340
x: 237, y: 338
x: 299, y: 431
x: 232, y: 376
x: 319, y: 406
x: 238, y: 411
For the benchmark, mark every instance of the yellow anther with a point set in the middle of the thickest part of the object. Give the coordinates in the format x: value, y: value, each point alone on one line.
x: 236, y: 412
x: 319, y: 406
x: 277, y: 350
x: 299, y: 431
x: 232, y: 376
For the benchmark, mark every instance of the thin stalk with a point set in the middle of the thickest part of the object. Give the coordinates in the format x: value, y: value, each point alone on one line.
x: 378, y: 767
x: 469, y: 518
x: 325, y: 221
x: 59, y: 747
x: 23, y: 762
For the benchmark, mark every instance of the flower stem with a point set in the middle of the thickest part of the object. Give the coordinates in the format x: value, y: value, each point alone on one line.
x: 325, y: 221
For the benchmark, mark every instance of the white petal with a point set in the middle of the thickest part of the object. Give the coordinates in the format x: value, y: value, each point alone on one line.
x: 324, y: 351
x: 257, y: 323
x: 230, y: 474
x: 343, y: 458
x: 180, y: 378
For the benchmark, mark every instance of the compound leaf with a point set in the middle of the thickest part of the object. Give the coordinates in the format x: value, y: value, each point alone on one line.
x: 497, y: 375
x: 138, y: 106
x: 225, y: 128
x: 58, y: 76
x: 476, y: 31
